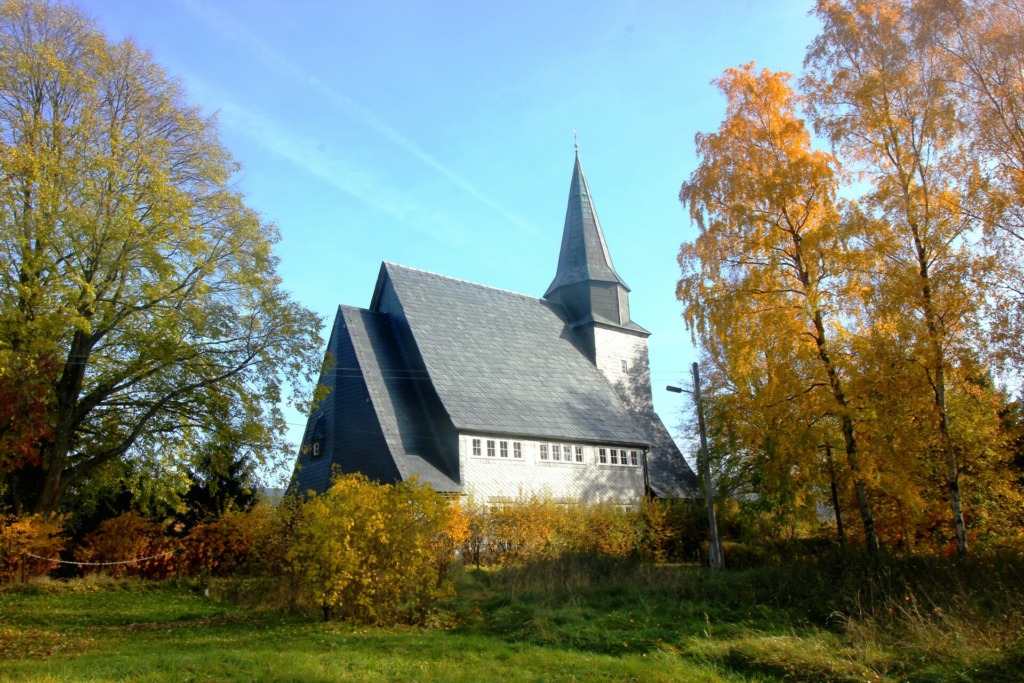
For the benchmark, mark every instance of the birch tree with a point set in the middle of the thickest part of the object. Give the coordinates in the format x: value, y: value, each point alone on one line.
x: 764, y: 281
x: 984, y: 43
x: 880, y: 86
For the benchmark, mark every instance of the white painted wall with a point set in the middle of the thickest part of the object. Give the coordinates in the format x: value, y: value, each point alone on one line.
x: 493, y: 479
x: 615, y: 347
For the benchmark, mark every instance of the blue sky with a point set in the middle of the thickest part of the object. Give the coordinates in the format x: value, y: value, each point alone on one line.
x: 439, y: 134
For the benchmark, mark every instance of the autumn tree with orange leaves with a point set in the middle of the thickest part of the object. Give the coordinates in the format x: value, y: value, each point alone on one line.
x: 890, y: 317
x: 768, y: 274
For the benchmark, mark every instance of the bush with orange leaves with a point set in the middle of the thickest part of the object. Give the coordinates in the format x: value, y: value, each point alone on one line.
x: 237, y: 542
x: 21, y: 535
x: 129, y: 545
x: 520, y: 530
x: 446, y: 544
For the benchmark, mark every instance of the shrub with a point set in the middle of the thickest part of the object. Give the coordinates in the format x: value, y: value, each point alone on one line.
x: 129, y: 545
x: 237, y: 542
x: 521, y: 530
x: 453, y: 536
x: 531, y: 529
x: 28, y: 534
x: 741, y: 555
x: 367, y: 551
x: 688, y: 524
x: 655, y: 529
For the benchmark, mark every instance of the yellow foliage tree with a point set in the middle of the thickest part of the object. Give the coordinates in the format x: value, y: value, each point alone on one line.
x: 882, y: 86
x: 367, y: 551
x: 983, y: 40
x: 765, y: 283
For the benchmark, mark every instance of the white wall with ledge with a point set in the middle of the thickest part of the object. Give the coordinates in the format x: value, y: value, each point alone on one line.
x: 495, y: 478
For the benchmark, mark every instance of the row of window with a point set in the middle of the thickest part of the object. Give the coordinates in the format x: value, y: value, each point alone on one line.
x: 502, y: 448
x: 618, y: 456
x: 556, y: 452
x: 560, y: 451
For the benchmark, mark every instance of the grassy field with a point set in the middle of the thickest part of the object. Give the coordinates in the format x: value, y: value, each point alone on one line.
x: 552, y: 622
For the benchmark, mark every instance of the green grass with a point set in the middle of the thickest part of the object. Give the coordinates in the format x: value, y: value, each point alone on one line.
x: 570, y: 620
x: 160, y: 632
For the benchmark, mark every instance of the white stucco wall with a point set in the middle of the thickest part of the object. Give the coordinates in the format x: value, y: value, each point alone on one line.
x: 613, y: 348
x: 488, y: 479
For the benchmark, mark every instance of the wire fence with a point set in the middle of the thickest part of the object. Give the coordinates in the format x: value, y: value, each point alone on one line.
x: 104, y: 564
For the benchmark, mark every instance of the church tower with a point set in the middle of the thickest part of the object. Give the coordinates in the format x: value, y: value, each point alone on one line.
x: 587, y: 286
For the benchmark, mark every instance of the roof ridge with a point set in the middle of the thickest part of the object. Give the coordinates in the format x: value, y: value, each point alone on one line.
x: 469, y: 282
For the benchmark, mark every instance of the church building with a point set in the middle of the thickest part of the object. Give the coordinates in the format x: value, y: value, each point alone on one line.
x: 494, y: 395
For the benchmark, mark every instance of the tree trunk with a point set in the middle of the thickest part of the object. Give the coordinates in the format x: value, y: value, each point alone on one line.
x: 952, y: 475
x: 55, y: 453
x: 939, y: 389
x: 835, y: 496
x: 849, y: 438
x: 836, y: 386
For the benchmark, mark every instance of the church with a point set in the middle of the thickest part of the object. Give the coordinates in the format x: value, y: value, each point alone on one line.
x: 494, y: 395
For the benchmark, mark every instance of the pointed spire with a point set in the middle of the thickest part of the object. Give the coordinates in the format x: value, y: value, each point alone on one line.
x: 584, y: 256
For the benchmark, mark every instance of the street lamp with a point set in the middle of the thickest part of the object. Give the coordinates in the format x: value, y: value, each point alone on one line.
x: 715, y: 555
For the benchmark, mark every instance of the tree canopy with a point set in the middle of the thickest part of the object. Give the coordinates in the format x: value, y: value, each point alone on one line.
x: 884, y: 321
x: 139, y: 299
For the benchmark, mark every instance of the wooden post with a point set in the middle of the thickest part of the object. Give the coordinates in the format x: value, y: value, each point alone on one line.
x: 716, y: 557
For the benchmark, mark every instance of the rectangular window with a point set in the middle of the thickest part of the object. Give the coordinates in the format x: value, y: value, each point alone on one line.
x: 556, y: 452
x: 316, y: 449
x: 632, y: 457
x: 543, y: 451
x: 625, y: 366
x: 476, y: 447
x: 615, y: 456
x: 504, y: 448
x: 517, y: 450
x: 602, y: 455
x: 490, y: 448
x: 579, y: 453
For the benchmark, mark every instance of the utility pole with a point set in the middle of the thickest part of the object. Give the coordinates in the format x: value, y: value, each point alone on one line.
x: 715, y: 555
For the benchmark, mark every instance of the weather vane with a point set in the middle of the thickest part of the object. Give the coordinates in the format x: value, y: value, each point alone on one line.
x: 575, y: 140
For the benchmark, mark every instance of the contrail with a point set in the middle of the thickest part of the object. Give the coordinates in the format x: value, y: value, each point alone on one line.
x: 302, y: 151
x: 228, y: 27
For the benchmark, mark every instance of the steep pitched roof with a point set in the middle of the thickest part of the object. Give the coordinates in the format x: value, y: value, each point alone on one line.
x: 670, y: 474
x: 506, y: 363
x: 584, y: 255
x: 399, y: 396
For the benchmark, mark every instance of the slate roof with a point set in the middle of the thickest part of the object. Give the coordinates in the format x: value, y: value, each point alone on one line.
x: 507, y: 363
x: 584, y: 255
x: 400, y: 398
x: 670, y: 475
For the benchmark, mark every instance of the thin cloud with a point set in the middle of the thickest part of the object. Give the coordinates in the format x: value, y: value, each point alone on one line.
x: 231, y: 29
x: 304, y: 152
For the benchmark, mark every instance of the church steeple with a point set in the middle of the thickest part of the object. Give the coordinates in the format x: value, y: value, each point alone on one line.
x: 584, y: 254
x: 586, y: 283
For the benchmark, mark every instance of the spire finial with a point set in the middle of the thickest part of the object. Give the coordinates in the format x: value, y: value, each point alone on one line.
x: 575, y: 140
